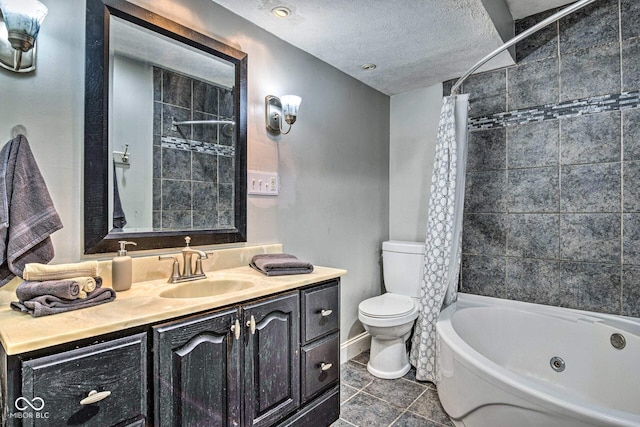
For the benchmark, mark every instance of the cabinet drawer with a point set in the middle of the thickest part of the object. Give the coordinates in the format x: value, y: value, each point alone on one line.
x: 57, y: 384
x: 320, y: 311
x: 320, y: 365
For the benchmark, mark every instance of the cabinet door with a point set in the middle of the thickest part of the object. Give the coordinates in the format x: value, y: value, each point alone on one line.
x: 272, y: 359
x: 197, y: 371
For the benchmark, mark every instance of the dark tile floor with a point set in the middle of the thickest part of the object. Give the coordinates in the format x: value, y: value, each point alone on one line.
x: 367, y: 401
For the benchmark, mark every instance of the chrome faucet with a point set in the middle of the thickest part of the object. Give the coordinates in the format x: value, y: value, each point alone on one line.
x: 188, y: 273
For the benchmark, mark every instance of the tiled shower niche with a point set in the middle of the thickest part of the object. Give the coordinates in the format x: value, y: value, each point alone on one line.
x: 552, y: 204
x: 193, y: 165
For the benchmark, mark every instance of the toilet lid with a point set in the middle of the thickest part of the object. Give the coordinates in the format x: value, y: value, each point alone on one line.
x: 387, y: 305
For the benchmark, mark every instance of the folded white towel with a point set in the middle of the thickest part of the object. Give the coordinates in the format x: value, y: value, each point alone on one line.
x: 36, y: 271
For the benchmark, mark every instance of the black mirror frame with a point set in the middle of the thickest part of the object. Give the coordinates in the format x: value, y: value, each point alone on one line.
x: 97, y: 236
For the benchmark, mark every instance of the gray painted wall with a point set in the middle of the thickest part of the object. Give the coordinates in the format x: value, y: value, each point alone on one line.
x: 552, y: 211
x: 333, y: 207
x: 414, y: 127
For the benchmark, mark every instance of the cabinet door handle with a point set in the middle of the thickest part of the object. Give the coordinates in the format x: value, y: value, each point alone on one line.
x: 326, y: 313
x: 235, y: 328
x: 94, y: 397
x: 251, y: 324
x: 326, y: 366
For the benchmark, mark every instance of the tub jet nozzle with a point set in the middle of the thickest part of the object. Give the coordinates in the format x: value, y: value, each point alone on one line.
x: 557, y: 364
x: 618, y: 341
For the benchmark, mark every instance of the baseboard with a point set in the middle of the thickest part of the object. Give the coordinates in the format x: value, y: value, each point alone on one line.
x: 354, y: 346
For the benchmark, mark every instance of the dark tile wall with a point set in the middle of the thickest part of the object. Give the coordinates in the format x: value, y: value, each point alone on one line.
x: 193, y: 165
x: 552, y: 205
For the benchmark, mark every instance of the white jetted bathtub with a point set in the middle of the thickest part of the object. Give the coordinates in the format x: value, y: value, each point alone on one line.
x: 512, y: 364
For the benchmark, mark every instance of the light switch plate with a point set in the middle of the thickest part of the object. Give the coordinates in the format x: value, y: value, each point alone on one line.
x: 262, y: 183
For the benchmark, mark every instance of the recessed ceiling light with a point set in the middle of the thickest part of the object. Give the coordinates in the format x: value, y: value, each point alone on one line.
x: 281, y: 11
x: 368, y: 67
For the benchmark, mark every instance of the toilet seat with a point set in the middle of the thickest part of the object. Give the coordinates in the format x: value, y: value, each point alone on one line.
x: 388, y: 310
x: 387, y: 305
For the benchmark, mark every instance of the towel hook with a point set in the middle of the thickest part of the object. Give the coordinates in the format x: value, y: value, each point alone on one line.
x: 18, y: 130
x: 125, y: 155
x: 122, y: 158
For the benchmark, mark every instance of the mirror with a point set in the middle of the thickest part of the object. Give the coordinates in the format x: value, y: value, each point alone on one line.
x: 165, y: 132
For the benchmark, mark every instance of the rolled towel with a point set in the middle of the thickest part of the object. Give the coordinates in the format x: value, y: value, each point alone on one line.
x: 48, y: 304
x: 87, y: 284
x: 36, y: 271
x: 280, y: 264
x: 67, y: 289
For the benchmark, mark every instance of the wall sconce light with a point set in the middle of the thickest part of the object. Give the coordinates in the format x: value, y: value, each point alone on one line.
x: 19, y: 27
x: 277, y: 108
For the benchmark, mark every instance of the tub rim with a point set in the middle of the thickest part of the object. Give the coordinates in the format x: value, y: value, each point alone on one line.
x: 574, y: 407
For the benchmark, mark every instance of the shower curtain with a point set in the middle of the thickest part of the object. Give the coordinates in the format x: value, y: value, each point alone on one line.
x: 444, y: 233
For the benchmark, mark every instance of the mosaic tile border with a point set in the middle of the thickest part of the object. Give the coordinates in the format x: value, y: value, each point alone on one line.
x: 578, y: 107
x: 199, y: 146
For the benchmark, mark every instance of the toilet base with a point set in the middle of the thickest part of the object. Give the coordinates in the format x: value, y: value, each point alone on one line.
x: 388, y: 375
x: 388, y: 358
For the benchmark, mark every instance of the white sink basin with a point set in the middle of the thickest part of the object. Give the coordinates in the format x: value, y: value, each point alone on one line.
x: 207, y: 288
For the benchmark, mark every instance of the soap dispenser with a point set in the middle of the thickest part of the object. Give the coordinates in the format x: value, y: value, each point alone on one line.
x: 121, y: 270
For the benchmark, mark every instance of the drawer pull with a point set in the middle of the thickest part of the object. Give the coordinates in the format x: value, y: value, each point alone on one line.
x: 326, y: 366
x: 94, y: 397
x: 251, y: 324
x: 235, y: 328
x: 326, y: 313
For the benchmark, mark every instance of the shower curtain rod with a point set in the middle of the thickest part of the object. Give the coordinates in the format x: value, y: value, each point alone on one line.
x: 553, y: 18
x: 204, y: 122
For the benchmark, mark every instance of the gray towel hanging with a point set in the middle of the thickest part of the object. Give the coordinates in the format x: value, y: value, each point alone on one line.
x: 27, y: 215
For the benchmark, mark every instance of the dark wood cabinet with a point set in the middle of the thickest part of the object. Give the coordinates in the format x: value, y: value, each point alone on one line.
x: 320, y: 338
x: 54, y: 388
x: 197, y: 371
x: 267, y: 362
x: 197, y: 361
x: 272, y: 359
x: 320, y: 311
x: 320, y: 365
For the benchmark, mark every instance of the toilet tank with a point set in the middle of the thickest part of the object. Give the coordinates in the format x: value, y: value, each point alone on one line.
x: 402, y: 264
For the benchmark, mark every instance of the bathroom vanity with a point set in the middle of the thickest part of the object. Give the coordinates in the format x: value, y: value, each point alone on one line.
x: 264, y: 354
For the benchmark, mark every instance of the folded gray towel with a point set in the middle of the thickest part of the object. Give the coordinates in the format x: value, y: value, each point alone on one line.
x: 48, y: 304
x: 280, y: 264
x: 67, y: 289
x: 27, y: 215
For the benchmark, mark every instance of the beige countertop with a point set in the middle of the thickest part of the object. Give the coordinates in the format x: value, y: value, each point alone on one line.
x: 140, y: 305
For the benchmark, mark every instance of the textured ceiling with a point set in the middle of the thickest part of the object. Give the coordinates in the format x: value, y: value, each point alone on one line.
x: 414, y: 43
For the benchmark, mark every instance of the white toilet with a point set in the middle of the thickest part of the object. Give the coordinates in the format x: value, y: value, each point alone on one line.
x: 389, y: 317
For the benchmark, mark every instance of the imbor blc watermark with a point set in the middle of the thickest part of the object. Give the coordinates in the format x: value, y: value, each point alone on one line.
x: 26, y: 408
